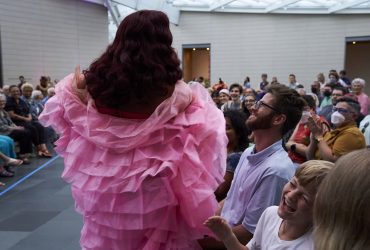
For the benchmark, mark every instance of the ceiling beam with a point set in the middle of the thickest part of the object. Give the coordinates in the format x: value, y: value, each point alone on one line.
x: 128, y: 3
x: 346, y: 5
x: 112, y: 12
x: 219, y: 4
x: 101, y: 2
x: 280, y: 5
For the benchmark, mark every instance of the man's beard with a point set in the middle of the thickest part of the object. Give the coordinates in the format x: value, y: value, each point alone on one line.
x: 262, y: 122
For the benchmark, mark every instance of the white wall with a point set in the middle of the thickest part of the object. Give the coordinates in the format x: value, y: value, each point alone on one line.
x: 49, y: 37
x: 251, y: 44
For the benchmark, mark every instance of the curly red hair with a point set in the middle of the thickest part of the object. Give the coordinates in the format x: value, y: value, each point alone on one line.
x: 138, y: 64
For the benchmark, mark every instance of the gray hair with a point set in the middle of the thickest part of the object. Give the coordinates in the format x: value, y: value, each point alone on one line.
x: 359, y: 80
x: 50, y: 90
x: 36, y: 93
x: 27, y: 86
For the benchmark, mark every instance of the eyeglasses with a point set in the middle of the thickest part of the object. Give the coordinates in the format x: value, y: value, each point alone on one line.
x: 258, y: 104
x: 341, y: 110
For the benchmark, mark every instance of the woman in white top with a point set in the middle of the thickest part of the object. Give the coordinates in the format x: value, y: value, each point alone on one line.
x: 288, y: 226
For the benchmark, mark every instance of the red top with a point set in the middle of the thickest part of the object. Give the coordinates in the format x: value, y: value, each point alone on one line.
x: 302, y: 136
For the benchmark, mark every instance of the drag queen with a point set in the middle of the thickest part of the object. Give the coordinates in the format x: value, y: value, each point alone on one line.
x: 143, y: 151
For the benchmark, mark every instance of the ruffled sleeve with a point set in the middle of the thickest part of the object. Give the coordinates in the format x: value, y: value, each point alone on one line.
x: 145, y: 184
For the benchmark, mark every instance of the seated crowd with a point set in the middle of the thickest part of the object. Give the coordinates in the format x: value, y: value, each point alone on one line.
x: 20, y: 106
x: 297, y: 162
x: 292, y: 139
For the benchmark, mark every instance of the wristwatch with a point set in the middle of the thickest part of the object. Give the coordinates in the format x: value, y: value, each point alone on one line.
x: 293, y: 147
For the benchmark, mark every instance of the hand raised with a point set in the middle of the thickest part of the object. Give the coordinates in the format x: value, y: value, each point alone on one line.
x: 315, y: 126
x: 219, y: 227
x: 79, y: 85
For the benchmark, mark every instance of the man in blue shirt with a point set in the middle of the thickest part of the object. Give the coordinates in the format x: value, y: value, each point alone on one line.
x: 264, y: 169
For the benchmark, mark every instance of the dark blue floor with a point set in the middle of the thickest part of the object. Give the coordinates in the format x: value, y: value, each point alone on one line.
x: 38, y: 213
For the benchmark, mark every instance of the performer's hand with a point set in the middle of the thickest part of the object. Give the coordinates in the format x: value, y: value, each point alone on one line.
x: 79, y: 85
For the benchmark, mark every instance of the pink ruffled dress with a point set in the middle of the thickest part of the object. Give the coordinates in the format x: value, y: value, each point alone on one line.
x: 141, y: 183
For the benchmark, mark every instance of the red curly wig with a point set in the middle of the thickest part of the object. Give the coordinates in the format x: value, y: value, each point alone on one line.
x: 138, y: 64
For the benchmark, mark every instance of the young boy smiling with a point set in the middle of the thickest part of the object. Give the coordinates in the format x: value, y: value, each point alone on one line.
x: 287, y: 226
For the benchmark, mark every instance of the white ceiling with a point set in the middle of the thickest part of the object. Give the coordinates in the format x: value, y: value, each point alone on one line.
x: 273, y: 6
x: 118, y: 9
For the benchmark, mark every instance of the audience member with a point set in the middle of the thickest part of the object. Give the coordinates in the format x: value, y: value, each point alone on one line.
x: 27, y: 90
x: 345, y: 138
x: 36, y: 103
x: 17, y: 133
x: 51, y: 93
x: 249, y: 91
x: 341, y: 211
x: 43, y: 86
x: 22, y: 81
x: 20, y: 114
x: 216, y: 98
x: 224, y: 96
x: 264, y: 169
x: 326, y: 111
x: 321, y: 79
x: 274, y: 80
x: 365, y: 129
x: 288, y: 226
x: 334, y: 79
x: 264, y: 82
x: 7, y: 146
x: 247, y: 82
x: 200, y: 80
x: 300, y: 139
x: 237, y: 134
x: 326, y: 91
x: 248, y: 103
x: 358, y: 89
x: 220, y: 85
x: 293, y: 82
x: 300, y: 90
x: 316, y: 89
x: 7, y: 156
x: 6, y: 90
x: 344, y: 78
x: 235, y: 91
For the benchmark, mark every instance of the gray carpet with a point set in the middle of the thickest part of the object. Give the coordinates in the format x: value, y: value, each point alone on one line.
x: 38, y: 213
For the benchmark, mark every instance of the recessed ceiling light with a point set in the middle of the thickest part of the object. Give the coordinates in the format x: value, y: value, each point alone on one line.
x: 193, y: 48
x: 353, y: 42
x: 207, y: 48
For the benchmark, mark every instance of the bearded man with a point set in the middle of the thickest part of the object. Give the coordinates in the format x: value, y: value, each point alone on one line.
x: 264, y: 169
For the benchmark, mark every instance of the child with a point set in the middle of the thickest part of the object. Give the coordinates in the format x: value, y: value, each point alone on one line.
x: 288, y: 226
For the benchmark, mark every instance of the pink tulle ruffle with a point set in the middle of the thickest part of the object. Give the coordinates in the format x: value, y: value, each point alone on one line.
x: 141, y: 184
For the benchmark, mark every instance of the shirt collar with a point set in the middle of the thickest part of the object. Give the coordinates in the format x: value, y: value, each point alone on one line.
x: 256, y: 158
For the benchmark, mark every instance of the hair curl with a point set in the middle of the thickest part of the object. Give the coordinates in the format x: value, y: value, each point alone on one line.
x: 139, y: 64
